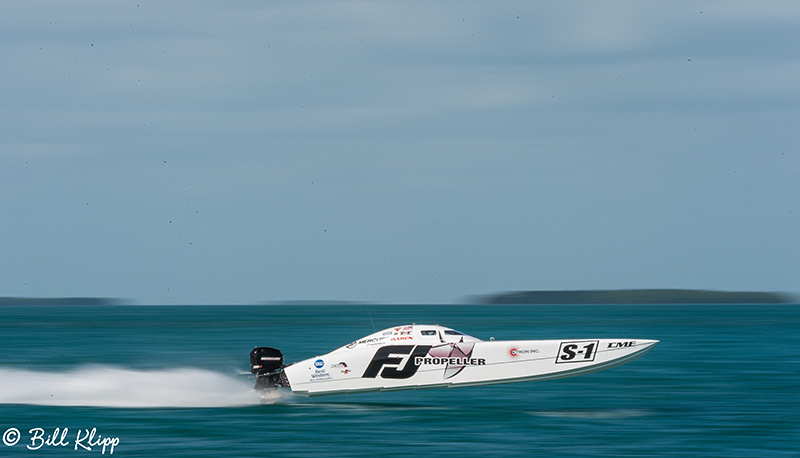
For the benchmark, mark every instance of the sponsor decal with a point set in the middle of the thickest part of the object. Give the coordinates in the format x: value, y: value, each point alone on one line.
x: 320, y: 374
x: 398, y: 338
x: 392, y: 361
x: 577, y: 352
x: 368, y: 342
x: 516, y: 352
x: 631, y: 343
x: 452, y: 360
x: 342, y: 366
x: 455, y: 356
x: 403, y: 361
x: 403, y: 331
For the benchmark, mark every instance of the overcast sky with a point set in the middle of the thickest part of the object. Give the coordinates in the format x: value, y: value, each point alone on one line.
x: 191, y: 152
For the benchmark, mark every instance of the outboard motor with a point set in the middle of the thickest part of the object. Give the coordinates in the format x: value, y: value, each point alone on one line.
x: 267, y: 365
x: 264, y: 360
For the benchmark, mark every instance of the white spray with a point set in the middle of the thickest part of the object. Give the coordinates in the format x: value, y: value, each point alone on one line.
x: 106, y: 386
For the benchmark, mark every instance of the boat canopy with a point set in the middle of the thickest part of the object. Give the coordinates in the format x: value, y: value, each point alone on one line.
x: 412, y: 334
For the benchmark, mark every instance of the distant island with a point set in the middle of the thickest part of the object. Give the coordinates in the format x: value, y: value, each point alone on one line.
x: 316, y: 302
x: 635, y: 296
x: 60, y: 301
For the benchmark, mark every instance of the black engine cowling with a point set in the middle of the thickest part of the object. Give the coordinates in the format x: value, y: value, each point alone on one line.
x: 264, y: 360
x: 267, y: 365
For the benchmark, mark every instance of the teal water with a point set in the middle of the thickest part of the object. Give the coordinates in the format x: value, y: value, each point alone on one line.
x: 171, y: 381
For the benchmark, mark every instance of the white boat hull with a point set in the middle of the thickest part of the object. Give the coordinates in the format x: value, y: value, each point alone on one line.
x: 389, y: 361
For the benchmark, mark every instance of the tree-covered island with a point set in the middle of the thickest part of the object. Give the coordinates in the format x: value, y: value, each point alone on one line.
x: 636, y: 296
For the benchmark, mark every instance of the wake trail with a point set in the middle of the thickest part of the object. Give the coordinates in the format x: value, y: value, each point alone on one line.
x: 107, y: 386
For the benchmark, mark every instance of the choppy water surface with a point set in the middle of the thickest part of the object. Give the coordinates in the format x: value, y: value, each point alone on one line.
x: 172, y: 381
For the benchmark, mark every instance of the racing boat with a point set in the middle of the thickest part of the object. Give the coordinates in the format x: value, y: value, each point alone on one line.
x: 432, y: 356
